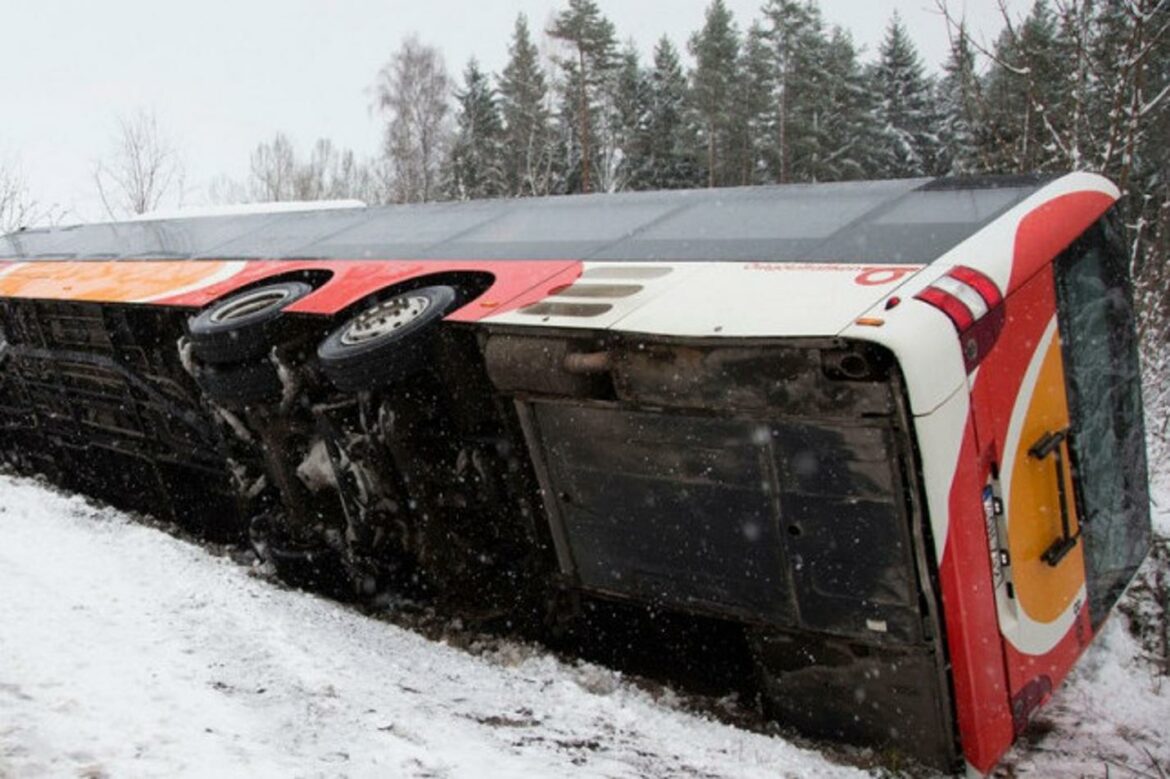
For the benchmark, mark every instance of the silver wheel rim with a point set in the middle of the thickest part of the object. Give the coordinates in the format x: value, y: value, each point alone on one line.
x: 384, y: 318
x: 249, y: 304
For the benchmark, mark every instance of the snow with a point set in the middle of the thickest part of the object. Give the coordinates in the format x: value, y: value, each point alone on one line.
x: 244, y: 209
x: 125, y: 651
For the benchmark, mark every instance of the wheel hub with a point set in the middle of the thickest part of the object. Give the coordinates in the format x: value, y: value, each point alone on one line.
x: 384, y: 318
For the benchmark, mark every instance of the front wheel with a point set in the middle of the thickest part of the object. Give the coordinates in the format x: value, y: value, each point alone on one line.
x: 384, y: 342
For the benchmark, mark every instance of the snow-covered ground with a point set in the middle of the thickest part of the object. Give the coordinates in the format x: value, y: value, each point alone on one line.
x: 127, y: 652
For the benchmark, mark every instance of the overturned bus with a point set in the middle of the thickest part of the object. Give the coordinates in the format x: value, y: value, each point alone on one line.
x: 891, y: 431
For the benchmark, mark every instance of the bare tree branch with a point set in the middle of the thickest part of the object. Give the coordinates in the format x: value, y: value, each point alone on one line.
x: 142, y: 169
x: 18, y: 208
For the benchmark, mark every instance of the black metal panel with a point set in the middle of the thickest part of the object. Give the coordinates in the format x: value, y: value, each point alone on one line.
x: 793, y: 523
x: 892, y: 698
x: 669, y: 509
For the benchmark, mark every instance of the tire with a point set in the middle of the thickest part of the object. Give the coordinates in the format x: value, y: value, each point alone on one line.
x: 246, y: 325
x: 237, y: 386
x: 386, y: 341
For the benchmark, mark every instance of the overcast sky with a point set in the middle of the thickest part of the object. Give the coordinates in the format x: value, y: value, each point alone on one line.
x: 223, y: 75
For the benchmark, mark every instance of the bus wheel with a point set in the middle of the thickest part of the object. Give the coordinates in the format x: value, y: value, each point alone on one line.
x: 384, y: 342
x: 244, y: 326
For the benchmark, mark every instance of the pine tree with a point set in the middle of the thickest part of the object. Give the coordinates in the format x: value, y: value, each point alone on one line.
x: 843, y: 128
x: 958, y: 98
x: 475, y: 166
x: 1026, y: 93
x: 667, y: 159
x: 527, y: 136
x: 752, y: 130
x: 713, y: 90
x: 589, y: 70
x: 795, y: 33
x: 910, y: 142
x: 622, y: 150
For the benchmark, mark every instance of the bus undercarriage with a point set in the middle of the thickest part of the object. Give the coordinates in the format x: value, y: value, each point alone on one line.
x: 767, y: 485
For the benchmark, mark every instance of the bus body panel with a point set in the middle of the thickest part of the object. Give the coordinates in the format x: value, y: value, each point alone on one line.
x: 995, y: 500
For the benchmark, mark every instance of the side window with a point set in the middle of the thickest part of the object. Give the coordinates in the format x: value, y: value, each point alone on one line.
x: 1107, y: 434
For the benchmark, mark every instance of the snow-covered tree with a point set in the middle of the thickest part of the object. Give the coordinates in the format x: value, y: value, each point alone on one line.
x: 842, y: 127
x: 1027, y: 89
x: 794, y: 30
x: 959, y: 100
x: 527, y: 135
x: 621, y: 148
x: 667, y: 158
x: 905, y: 108
x: 589, y: 69
x: 752, y: 127
x: 475, y: 167
x: 713, y: 92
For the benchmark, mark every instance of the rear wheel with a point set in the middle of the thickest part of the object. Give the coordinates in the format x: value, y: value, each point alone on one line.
x: 246, y: 325
x: 386, y: 341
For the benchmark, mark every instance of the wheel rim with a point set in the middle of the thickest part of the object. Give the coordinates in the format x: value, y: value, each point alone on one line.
x: 250, y: 303
x: 384, y: 319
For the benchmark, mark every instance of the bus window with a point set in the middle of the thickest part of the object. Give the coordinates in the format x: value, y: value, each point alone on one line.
x: 1108, y: 444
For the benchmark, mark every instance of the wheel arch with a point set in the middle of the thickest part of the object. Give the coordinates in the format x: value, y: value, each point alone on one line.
x: 468, y: 285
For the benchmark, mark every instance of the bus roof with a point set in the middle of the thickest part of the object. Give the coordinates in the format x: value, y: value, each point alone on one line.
x: 911, y: 221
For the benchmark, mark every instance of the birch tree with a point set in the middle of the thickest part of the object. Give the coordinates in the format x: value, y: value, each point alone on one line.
x: 413, y: 92
x: 277, y: 173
